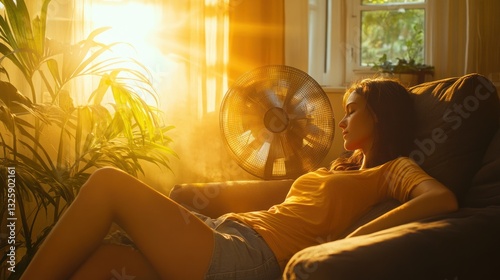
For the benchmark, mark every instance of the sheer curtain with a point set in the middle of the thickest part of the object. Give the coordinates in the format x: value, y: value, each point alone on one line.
x: 257, y: 31
x: 465, y: 37
x: 194, y: 49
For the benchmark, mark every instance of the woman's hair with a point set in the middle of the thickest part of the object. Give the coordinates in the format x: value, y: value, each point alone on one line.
x: 392, y: 106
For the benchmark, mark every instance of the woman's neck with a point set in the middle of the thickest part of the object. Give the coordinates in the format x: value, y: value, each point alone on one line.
x: 365, y: 163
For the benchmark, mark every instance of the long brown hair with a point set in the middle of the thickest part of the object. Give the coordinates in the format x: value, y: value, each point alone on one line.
x: 395, y: 126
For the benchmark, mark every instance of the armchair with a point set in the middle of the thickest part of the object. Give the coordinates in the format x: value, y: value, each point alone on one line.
x: 458, y: 143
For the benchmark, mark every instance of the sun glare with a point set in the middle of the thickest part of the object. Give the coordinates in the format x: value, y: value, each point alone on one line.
x: 157, y: 36
x: 135, y: 24
x: 130, y: 22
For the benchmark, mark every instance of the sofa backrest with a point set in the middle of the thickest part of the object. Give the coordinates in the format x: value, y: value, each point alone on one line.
x: 485, y: 190
x: 457, y: 119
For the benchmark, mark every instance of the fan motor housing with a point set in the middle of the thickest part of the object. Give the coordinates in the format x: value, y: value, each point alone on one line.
x: 276, y: 120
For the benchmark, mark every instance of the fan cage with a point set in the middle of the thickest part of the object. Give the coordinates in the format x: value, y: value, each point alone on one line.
x: 277, y: 122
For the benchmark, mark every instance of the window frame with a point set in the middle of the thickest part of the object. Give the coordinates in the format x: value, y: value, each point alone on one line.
x: 353, y: 69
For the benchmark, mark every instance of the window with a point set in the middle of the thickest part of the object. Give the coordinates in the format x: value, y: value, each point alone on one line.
x: 346, y: 38
x: 318, y: 37
x: 393, y: 29
x: 184, y: 45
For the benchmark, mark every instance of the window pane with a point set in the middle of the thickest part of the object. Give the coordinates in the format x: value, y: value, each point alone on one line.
x: 384, y: 2
x: 395, y: 33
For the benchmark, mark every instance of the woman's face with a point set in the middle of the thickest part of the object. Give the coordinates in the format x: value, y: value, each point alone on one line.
x: 358, y: 124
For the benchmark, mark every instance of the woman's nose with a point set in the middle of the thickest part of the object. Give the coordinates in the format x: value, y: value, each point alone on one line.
x: 343, y: 123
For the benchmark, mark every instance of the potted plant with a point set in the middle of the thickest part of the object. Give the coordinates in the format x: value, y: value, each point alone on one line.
x: 407, y: 67
x: 48, y: 150
x: 415, y: 71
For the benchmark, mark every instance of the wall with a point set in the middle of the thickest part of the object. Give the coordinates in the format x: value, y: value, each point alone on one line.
x: 335, y: 95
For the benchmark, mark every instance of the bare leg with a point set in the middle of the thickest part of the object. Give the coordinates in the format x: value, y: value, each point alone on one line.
x: 118, y: 262
x: 167, y: 235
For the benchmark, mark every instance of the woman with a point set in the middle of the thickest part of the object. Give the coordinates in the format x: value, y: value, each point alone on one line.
x: 176, y: 244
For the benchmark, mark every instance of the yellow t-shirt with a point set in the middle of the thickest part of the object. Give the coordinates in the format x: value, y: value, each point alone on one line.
x: 321, y: 205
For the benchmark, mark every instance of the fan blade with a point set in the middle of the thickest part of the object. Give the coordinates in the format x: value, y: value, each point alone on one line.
x: 253, y: 123
x: 263, y: 94
x: 275, y: 161
x: 309, y: 135
x: 271, y: 98
x: 297, y: 103
x: 256, y: 150
x: 297, y: 91
x: 291, y: 164
x: 291, y: 144
x: 251, y: 107
x: 247, y: 100
x: 312, y: 136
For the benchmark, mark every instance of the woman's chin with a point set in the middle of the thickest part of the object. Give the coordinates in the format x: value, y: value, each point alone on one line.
x: 348, y: 146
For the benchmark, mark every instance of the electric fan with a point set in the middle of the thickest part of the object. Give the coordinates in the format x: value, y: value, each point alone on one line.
x: 277, y: 122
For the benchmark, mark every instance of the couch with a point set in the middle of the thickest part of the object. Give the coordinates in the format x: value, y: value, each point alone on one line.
x: 458, y: 143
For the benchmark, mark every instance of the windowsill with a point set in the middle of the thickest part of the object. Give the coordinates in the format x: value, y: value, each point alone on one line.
x: 330, y: 89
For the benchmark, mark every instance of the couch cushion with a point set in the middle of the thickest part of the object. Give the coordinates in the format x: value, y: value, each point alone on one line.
x: 460, y: 245
x: 457, y: 118
x: 217, y: 198
x: 485, y: 188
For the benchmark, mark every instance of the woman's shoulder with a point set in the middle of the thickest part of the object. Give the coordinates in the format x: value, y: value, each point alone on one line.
x: 402, y: 160
x: 403, y: 164
x: 398, y: 162
x: 409, y: 161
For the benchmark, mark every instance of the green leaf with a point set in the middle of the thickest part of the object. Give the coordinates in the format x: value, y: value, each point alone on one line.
x: 98, y: 94
x: 54, y: 70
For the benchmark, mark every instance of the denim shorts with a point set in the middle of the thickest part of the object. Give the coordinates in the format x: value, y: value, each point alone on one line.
x: 239, y: 252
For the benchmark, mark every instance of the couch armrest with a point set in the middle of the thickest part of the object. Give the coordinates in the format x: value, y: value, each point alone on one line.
x: 215, y: 199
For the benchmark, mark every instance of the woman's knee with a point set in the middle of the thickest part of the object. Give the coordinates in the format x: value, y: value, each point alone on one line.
x: 102, y: 180
x: 112, y: 182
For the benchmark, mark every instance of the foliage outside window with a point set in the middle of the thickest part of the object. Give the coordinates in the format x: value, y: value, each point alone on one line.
x: 392, y: 31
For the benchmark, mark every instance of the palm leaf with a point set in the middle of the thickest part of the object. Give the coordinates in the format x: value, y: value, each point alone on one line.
x: 98, y: 94
x: 40, y: 26
x: 20, y: 23
x: 124, y: 136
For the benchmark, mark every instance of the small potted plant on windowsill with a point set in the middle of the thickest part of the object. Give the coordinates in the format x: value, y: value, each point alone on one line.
x: 416, y: 72
x: 409, y: 69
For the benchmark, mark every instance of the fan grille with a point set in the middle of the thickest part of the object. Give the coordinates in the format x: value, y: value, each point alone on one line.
x: 277, y: 122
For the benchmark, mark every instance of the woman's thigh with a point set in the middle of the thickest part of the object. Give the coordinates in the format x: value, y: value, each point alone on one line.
x: 175, y: 242
x: 116, y: 262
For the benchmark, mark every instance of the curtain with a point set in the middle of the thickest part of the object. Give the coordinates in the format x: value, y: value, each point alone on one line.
x: 235, y: 36
x: 194, y: 49
x: 483, y: 45
x: 257, y: 35
x: 465, y: 37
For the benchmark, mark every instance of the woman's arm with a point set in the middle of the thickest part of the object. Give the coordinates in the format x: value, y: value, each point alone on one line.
x: 427, y: 199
